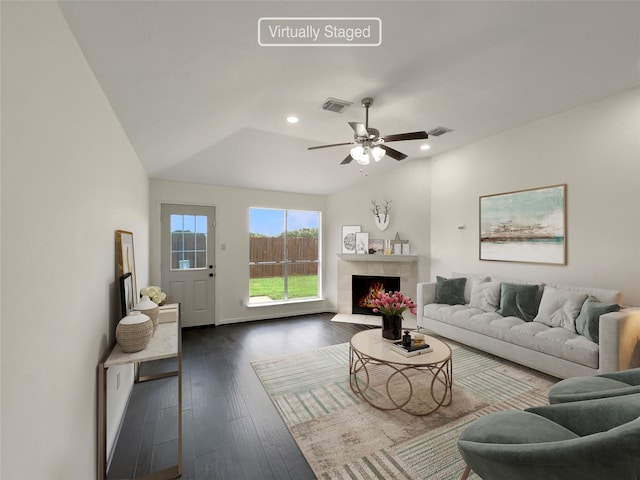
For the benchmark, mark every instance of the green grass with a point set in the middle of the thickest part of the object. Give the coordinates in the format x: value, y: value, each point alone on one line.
x: 300, y: 286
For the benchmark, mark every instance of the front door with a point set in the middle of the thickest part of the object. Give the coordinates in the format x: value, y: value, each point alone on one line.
x: 188, y: 262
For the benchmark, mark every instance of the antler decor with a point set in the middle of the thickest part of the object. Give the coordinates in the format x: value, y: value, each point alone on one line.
x: 381, y: 214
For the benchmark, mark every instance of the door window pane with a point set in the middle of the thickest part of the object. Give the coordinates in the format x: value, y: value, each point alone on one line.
x: 188, y: 242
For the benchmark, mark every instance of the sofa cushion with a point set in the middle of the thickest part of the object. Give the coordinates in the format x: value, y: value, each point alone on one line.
x: 536, y: 336
x: 485, y: 295
x: 560, y: 308
x: 450, y: 290
x: 467, y: 287
x: 603, y: 295
x: 588, y: 322
x: 519, y: 300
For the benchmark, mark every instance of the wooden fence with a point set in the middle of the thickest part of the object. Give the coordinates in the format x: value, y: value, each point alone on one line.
x: 271, y: 249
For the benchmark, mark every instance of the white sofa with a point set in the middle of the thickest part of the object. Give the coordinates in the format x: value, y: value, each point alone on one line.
x: 548, y: 343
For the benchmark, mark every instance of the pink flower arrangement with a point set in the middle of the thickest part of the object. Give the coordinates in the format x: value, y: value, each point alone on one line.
x: 393, y: 303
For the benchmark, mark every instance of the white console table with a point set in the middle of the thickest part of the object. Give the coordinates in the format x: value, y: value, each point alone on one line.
x: 165, y: 343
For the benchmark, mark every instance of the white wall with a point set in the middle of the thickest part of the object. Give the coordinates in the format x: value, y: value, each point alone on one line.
x: 70, y: 178
x: 407, y: 186
x: 232, y: 231
x: 595, y: 150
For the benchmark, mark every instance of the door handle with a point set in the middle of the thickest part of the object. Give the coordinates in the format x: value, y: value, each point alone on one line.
x: 211, y: 275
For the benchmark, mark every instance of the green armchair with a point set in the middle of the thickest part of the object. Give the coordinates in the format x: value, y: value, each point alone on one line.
x: 605, y: 385
x: 586, y: 440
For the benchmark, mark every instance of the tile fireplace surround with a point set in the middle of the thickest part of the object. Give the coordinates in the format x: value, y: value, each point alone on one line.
x: 406, y: 268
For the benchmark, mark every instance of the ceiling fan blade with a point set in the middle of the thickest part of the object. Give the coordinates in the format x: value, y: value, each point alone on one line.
x: 360, y: 129
x: 346, y: 160
x: 406, y: 136
x: 395, y: 154
x: 332, y: 145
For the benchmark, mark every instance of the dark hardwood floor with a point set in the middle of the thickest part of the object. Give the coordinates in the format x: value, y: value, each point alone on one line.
x: 231, y: 430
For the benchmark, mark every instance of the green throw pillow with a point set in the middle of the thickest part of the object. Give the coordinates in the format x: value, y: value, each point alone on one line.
x: 588, y: 322
x: 519, y: 300
x: 450, y: 290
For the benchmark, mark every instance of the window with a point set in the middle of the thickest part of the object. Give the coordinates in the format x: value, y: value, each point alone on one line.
x: 284, y: 255
x: 188, y: 242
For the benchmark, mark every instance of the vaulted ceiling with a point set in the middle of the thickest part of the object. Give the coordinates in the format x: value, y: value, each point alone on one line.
x: 201, y: 101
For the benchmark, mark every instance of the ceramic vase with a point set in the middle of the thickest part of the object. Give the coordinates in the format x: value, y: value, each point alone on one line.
x: 149, y: 308
x: 134, y: 332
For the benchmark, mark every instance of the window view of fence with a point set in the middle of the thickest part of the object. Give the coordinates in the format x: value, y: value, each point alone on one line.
x: 284, y: 255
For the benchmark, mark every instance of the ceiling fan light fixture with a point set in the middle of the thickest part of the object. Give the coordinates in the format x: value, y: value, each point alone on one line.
x: 363, y: 160
x: 377, y: 153
x: 357, y: 152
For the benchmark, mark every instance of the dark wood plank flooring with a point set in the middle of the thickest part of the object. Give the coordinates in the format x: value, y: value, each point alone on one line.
x: 231, y: 430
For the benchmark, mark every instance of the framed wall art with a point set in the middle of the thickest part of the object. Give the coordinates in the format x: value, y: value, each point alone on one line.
x: 126, y: 258
x: 349, y: 238
x: 127, y: 296
x: 362, y: 242
x: 525, y: 226
x: 376, y: 246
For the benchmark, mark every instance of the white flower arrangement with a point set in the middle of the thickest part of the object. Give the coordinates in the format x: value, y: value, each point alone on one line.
x: 154, y: 293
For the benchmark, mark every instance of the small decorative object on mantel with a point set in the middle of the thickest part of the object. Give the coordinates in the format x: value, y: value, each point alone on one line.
x: 398, y: 244
x: 134, y: 332
x: 381, y: 214
x: 391, y: 306
x: 148, y: 308
x: 387, y: 247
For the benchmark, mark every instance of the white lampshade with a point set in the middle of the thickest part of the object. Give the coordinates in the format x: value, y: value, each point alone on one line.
x: 377, y: 153
x: 363, y: 160
x: 357, y: 152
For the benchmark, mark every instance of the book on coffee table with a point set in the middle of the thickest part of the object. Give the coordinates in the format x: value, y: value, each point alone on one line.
x: 398, y: 347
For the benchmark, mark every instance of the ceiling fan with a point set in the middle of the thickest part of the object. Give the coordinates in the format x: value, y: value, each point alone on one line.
x: 369, y: 145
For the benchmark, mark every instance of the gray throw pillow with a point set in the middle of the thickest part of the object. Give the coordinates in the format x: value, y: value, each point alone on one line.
x: 588, y: 322
x: 519, y: 300
x: 450, y: 290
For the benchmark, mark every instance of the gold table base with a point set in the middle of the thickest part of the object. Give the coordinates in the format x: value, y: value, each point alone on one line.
x: 440, y: 385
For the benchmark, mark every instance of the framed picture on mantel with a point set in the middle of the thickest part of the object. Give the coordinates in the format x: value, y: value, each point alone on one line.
x: 362, y: 242
x: 525, y: 226
x: 349, y: 238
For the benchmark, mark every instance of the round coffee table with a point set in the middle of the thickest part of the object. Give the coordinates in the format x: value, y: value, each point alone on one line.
x: 388, y: 380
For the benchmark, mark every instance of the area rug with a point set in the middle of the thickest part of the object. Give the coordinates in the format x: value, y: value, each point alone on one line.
x: 343, y: 437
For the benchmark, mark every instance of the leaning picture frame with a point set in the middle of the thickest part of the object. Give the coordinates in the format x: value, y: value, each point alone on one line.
x: 127, y: 295
x: 126, y: 257
x: 376, y: 246
x: 526, y: 226
x: 362, y: 243
x: 349, y: 238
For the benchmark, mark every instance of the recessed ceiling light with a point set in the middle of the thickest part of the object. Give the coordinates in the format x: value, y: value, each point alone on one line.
x: 292, y: 119
x: 425, y: 147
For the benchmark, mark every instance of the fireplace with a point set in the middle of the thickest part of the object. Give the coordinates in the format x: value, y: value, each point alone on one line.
x: 365, y: 288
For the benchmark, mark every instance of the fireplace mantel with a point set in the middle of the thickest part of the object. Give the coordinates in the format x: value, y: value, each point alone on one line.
x: 360, y: 257
x: 403, y: 266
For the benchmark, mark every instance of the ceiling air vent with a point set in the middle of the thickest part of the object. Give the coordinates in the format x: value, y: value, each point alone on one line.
x: 436, y: 132
x: 335, y: 105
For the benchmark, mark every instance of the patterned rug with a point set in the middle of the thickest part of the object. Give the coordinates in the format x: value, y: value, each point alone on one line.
x: 343, y: 437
